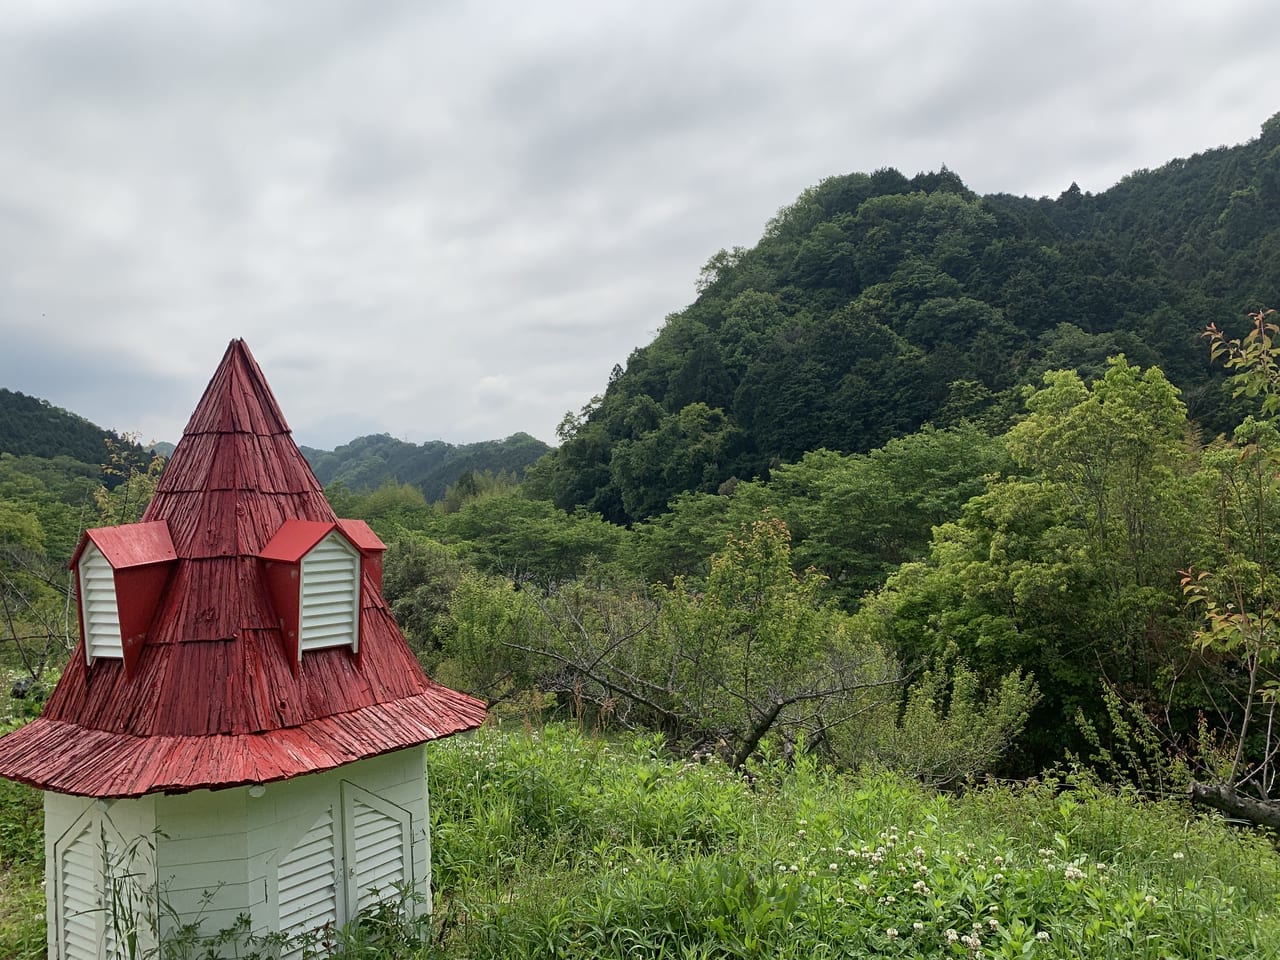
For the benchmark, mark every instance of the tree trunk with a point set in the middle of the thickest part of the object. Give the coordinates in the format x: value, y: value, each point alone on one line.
x: 756, y: 733
x: 1222, y: 797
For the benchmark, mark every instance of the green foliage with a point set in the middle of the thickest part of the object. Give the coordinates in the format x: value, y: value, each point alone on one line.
x: 127, y: 487
x: 1067, y: 567
x: 419, y: 577
x: 511, y: 534
x: 754, y: 649
x: 388, y: 508
x: 22, y: 915
x: 31, y: 427
x: 491, y: 525
x: 21, y: 825
x: 757, y: 648
x: 949, y: 728
x: 854, y: 517
x: 683, y: 452
x: 858, y: 518
x: 44, y: 506
x: 876, y: 304
x: 57, y: 492
x: 552, y: 844
x: 368, y: 463
x: 472, y: 486
x: 1131, y: 749
x: 1238, y: 598
x: 495, y: 629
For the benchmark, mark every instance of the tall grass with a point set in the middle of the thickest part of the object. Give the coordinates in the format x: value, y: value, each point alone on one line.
x: 22, y: 922
x: 553, y: 844
x: 556, y: 845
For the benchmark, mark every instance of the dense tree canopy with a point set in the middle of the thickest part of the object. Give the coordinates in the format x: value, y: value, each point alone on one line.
x: 31, y: 427
x: 876, y: 303
x: 366, y: 463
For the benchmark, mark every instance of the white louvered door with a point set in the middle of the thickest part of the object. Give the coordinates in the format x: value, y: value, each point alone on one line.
x: 342, y: 865
x: 90, y: 876
x: 379, y: 848
x: 307, y: 883
x: 79, y: 890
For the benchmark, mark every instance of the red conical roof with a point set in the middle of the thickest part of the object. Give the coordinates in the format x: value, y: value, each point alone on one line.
x: 214, y: 700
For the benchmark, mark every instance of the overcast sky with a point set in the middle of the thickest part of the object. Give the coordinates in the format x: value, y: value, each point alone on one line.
x: 447, y: 220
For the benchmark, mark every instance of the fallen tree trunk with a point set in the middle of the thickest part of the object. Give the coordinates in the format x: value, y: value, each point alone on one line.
x: 1222, y: 797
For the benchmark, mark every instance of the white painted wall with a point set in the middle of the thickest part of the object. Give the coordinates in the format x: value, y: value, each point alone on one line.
x: 217, y: 853
x: 97, y: 851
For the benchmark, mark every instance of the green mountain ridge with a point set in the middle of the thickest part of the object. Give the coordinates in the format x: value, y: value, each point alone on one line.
x: 32, y: 427
x: 370, y: 461
x: 877, y: 303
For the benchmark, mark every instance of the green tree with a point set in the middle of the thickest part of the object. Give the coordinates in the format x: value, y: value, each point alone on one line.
x: 688, y: 451
x: 35, y: 615
x: 419, y: 577
x: 1239, y: 598
x: 758, y: 648
x: 1117, y: 452
x: 857, y: 518
x: 948, y: 727
x: 498, y: 646
x: 752, y: 651
x: 1067, y: 567
x: 127, y: 488
x: 510, y: 534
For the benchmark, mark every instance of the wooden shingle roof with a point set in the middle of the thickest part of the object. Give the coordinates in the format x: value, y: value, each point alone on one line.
x: 213, y: 700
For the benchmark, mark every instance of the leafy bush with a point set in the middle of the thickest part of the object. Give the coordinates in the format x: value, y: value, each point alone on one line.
x: 551, y: 844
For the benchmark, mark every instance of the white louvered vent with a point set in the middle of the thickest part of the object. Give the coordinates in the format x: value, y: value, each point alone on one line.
x: 330, y: 601
x: 379, y: 851
x: 79, y: 887
x: 307, y: 884
x: 98, y: 604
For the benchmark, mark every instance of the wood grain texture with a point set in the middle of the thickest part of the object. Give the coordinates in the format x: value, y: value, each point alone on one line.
x: 212, y: 699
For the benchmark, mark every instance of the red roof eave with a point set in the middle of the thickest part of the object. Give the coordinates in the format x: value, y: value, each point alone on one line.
x: 295, y: 538
x: 361, y: 535
x: 68, y: 758
x: 130, y: 545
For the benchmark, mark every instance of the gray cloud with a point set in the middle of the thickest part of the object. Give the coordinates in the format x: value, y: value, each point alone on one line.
x: 450, y: 220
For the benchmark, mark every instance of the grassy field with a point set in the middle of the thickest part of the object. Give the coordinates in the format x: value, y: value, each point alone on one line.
x: 556, y: 844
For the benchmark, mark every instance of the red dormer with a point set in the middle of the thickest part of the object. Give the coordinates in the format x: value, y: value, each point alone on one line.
x: 370, y: 546
x: 319, y: 581
x: 121, y: 573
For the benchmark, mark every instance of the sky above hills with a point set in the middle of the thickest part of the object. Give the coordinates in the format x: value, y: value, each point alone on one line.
x: 449, y: 220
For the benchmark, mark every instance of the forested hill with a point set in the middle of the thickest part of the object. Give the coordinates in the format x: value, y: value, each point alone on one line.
x: 367, y: 462
x: 876, y: 303
x: 30, y: 426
